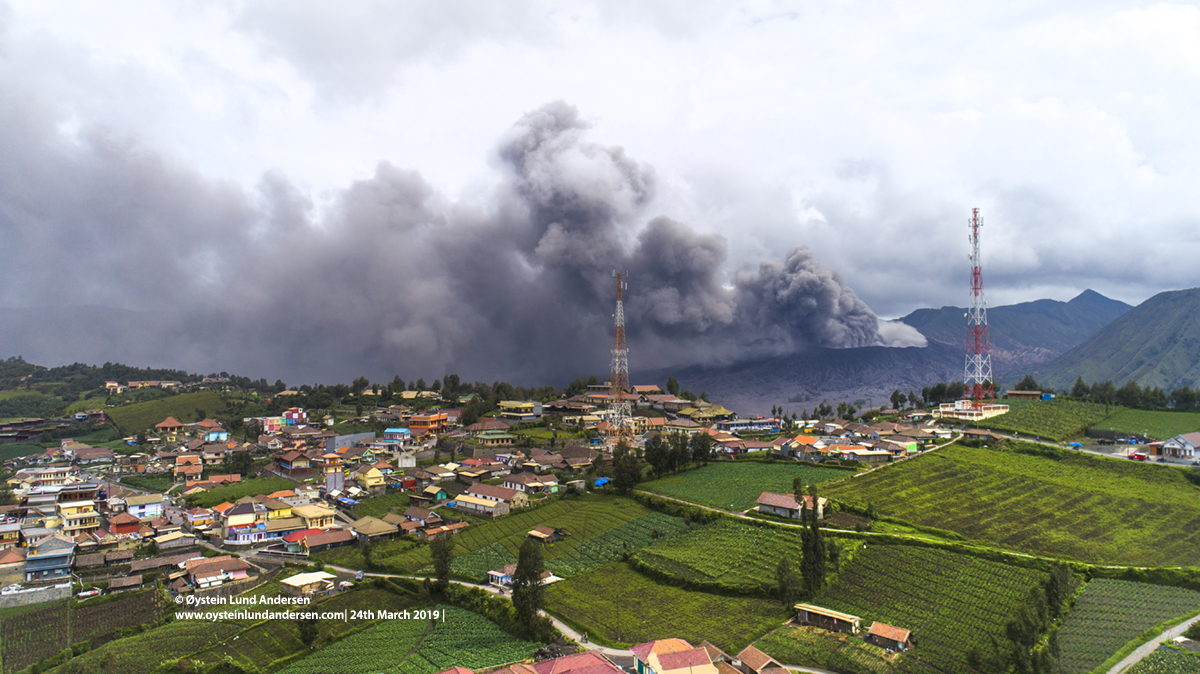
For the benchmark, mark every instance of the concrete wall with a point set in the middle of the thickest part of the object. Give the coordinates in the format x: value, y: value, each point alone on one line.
x: 39, y: 595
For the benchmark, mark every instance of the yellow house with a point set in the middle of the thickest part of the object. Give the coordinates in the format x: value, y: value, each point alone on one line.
x: 277, y: 509
x: 78, y: 517
x: 314, y: 516
x: 370, y: 478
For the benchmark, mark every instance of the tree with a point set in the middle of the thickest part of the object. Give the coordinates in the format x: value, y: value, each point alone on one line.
x: 1129, y: 395
x: 658, y: 455
x: 897, y: 399
x: 310, y: 630
x: 1027, y: 384
x: 680, y: 452
x: 1080, y: 389
x: 527, y: 589
x: 812, y: 541
x: 441, y: 549
x: 476, y: 408
x: 627, y: 469
x: 672, y: 386
x: 787, y: 580
x: 701, y: 447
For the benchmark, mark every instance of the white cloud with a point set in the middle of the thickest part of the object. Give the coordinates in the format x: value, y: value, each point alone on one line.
x: 863, y: 130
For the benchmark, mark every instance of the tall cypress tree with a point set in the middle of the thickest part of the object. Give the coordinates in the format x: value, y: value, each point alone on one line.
x: 527, y: 588
x: 813, y: 541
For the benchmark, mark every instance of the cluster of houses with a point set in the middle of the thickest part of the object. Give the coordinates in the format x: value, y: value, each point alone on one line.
x: 677, y: 656
x: 63, y: 523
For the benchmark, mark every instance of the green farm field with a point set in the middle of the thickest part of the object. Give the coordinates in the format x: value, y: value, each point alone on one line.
x: 584, y: 517
x: 1156, y: 424
x: 379, y: 506
x: 622, y: 606
x: 736, y: 485
x: 1167, y: 661
x: 146, y: 651
x: 950, y: 602
x: 726, y: 552
x: 233, y: 492
x: 1052, y: 419
x: 131, y: 419
x: 1111, y: 613
x: 811, y: 647
x: 269, y: 644
x: 456, y: 638
x: 1078, y: 506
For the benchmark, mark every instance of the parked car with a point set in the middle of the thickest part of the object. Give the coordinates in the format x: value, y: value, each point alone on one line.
x: 1138, y: 456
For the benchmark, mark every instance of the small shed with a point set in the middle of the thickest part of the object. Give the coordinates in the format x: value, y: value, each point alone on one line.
x: 828, y: 619
x: 889, y: 637
x: 125, y: 583
x: 309, y: 583
x: 545, y: 534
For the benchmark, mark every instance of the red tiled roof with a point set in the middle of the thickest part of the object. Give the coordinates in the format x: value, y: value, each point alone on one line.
x: 755, y: 659
x: 579, y: 663
x: 778, y: 500
x: 693, y: 658
x: 888, y: 632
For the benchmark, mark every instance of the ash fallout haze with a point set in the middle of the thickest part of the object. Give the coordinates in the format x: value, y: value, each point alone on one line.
x: 315, y: 191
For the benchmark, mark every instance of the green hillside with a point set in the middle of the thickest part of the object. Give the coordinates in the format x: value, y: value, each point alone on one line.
x: 1077, y: 506
x: 1157, y: 343
x: 138, y: 417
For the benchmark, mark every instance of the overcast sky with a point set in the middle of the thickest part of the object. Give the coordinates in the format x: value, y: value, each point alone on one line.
x: 210, y: 136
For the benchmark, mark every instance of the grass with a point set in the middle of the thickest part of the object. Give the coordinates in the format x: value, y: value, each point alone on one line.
x: 1053, y: 419
x: 950, y: 602
x: 381, y: 505
x: 583, y: 516
x: 130, y: 419
x: 267, y: 645
x: 728, y: 553
x: 13, y: 451
x: 1158, y: 425
x: 152, y: 483
x: 1167, y: 661
x: 736, y: 486
x: 621, y: 606
x: 419, y: 646
x: 1077, y: 506
x: 810, y: 647
x: 146, y: 651
x: 1110, y: 613
x: 233, y: 492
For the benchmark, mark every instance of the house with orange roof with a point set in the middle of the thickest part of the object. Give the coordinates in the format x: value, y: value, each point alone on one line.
x: 666, y: 656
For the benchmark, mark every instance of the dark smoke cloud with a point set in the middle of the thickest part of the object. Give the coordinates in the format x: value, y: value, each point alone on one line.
x: 393, y: 278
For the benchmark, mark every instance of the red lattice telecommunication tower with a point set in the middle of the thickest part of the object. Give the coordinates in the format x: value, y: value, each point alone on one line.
x: 978, y: 380
x: 620, y: 411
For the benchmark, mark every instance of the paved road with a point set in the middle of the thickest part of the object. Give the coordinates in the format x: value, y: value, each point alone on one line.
x: 1152, y: 645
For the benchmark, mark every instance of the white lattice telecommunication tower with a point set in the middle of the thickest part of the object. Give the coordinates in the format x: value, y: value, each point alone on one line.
x: 977, y: 383
x: 620, y: 410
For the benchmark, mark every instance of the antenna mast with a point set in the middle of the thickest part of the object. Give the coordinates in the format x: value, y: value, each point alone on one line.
x: 620, y: 412
x: 978, y: 380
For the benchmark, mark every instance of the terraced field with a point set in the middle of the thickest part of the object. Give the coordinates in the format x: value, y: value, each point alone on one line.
x: 266, y: 645
x: 810, y: 647
x: 1167, y: 661
x: 1159, y: 425
x: 1092, y: 509
x: 146, y: 651
x: 1110, y: 613
x: 456, y: 637
x: 950, y: 602
x: 623, y: 606
x: 130, y: 419
x: 736, y: 485
x: 1052, y: 419
x: 731, y: 553
x: 584, y: 517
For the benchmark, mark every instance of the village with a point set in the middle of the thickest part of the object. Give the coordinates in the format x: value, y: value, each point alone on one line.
x: 78, y: 523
